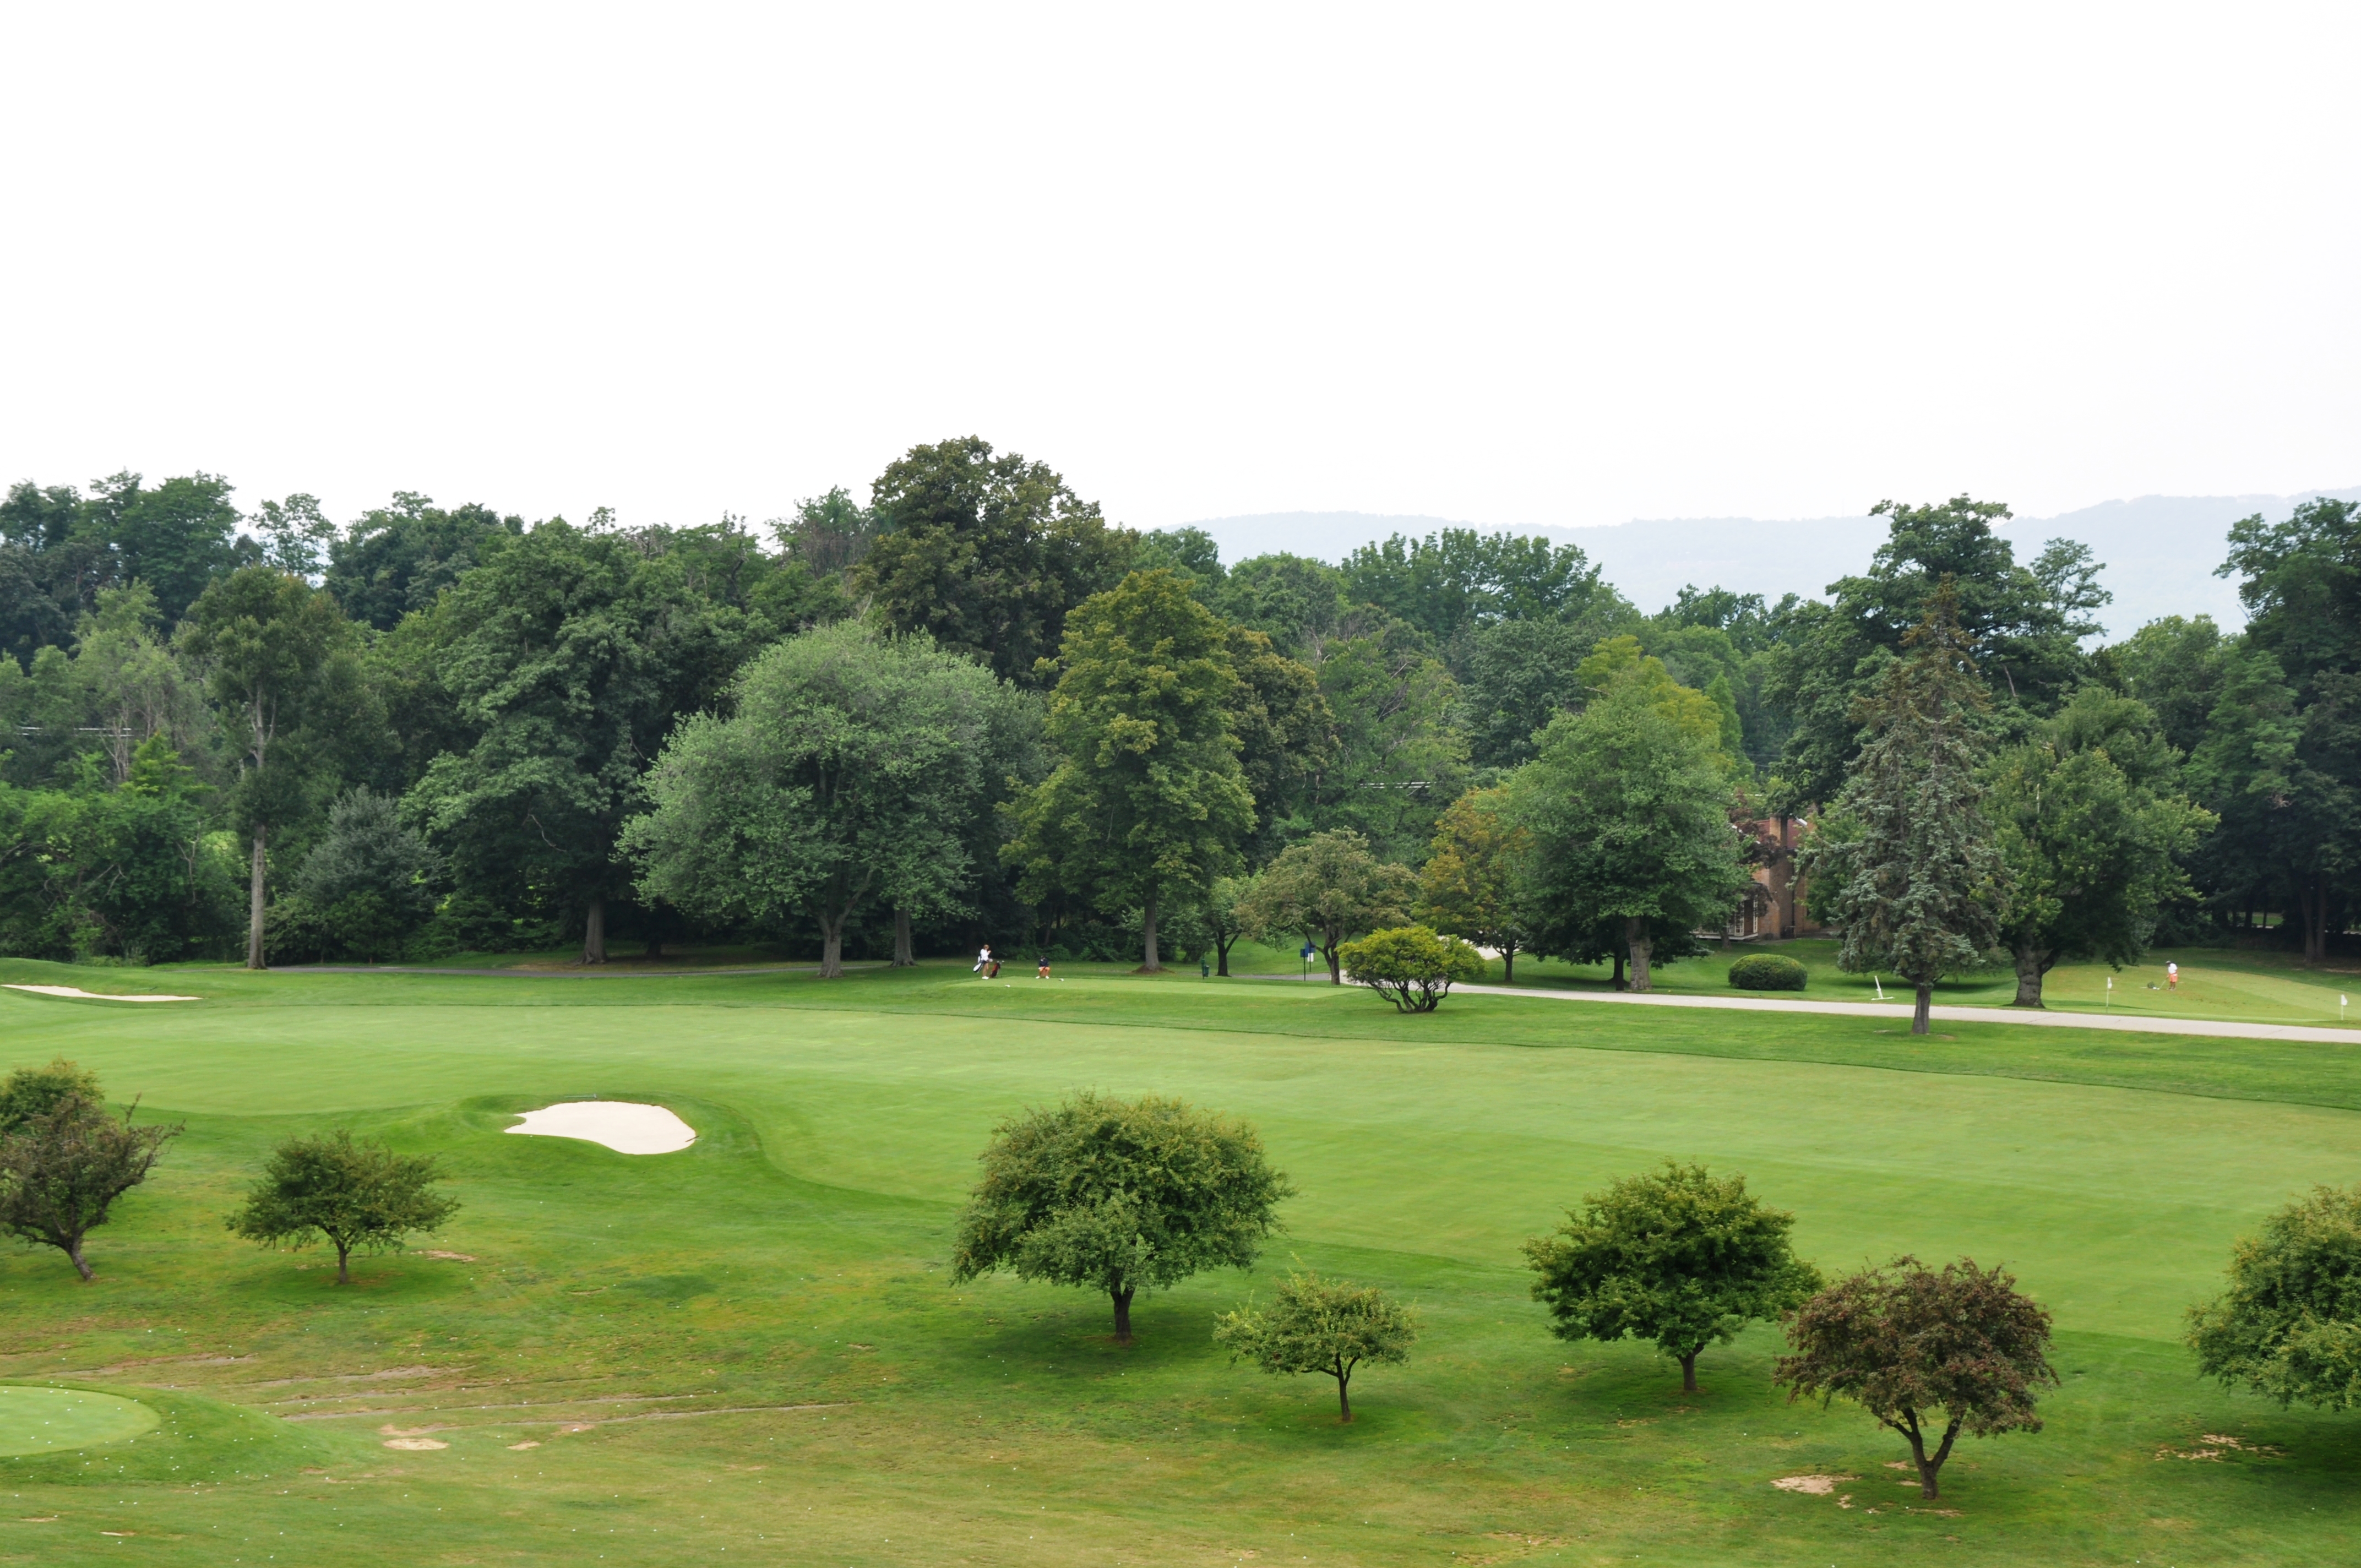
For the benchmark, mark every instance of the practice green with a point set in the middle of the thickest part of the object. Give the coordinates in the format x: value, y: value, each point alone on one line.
x: 42, y: 1421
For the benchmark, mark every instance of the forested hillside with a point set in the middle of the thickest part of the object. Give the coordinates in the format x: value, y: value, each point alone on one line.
x: 970, y: 707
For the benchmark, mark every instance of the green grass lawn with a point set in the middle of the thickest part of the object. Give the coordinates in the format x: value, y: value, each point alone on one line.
x: 748, y: 1351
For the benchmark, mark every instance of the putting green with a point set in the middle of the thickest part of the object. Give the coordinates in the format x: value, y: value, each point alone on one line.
x: 43, y: 1421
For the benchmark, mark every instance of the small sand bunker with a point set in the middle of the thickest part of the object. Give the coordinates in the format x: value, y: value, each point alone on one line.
x: 620, y: 1126
x: 414, y: 1444
x: 78, y: 994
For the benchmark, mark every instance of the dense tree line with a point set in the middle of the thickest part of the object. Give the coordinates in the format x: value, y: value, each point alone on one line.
x: 971, y: 707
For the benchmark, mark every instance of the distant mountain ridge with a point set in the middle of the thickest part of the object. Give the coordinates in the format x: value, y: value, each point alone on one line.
x: 2159, y: 551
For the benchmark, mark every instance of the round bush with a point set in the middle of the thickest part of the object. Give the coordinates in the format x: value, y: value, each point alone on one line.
x: 1767, y: 972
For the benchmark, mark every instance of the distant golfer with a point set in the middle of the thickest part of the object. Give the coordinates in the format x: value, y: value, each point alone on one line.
x: 983, y: 959
x: 2172, y: 976
x: 1043, y: 973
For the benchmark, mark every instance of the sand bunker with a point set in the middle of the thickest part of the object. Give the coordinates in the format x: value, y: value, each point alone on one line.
x: 620, y: 1126
x: 79, y: 995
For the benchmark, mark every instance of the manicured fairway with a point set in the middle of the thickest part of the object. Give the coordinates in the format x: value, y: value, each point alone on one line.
x: 748, y: 1349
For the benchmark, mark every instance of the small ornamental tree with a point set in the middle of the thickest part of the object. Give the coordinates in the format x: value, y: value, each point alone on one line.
x: 1469, y: 886
x: 2289, y: 1325
x: 1676, y: 1256
x: 62, y: 1169
x: 1410, y: 965
x: 357, y: 1195
x: 34, y: 1091
x: 1321, y: 1325
x: 1915, y: 1347
x: 1328, y: 889
x: 1118, y: 1195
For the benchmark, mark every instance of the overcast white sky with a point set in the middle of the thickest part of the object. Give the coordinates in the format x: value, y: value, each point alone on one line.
x: 1518, y: 265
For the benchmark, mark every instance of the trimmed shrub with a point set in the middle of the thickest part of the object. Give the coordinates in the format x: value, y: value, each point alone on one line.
x: 1410, y: 965
x: 1767, y: 972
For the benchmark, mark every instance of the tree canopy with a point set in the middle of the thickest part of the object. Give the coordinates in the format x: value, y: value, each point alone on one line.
x: 1120, y: 1196
x: 1330, y: 1326
x: 2289, y: 1327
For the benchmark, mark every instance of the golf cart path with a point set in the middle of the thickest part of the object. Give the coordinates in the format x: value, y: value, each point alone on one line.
x: 2140, y: 1026
x: 587, y: 971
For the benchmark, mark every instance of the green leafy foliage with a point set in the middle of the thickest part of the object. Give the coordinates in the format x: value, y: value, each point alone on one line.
x: 358, y: 1195
x: 1330, y: 1326
x: 1327, y: 889
x: 2289, y: 1325
x: 1119, y: 1196
x: 1147, y: 802
x: 1914, y: 1347
x: 1768, y: 971
x: 1472, y: 884
x: 1410, y: 966
x: 65, y: 1160
x: 1676, y: 1256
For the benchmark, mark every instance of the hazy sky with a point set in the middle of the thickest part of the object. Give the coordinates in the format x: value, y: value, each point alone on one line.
x: 1518, y: 265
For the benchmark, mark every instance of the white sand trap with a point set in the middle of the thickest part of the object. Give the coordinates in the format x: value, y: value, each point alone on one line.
x: 79, y: 995
x: 620, y: 1126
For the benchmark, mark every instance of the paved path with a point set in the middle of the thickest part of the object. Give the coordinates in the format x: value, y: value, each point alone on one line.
x: 2131, y: 1022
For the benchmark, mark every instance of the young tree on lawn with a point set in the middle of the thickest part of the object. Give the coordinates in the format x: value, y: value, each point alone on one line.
x: 1218, y: 914
x: 2289, y: 1325
x: 265, y: 637
x: 2094, y: 829
x: 1914, y: 1346
x: 1322, y: 1325
x: 1628, y: 810
x: 1147, y: 802
x: 1328, y: 889
x: 1119, y: 1196
x: 1410, y: 966
x: 1469, y: 886
x: 62, y: 1169
x: 849, y: 774
x: 1916, y: 882
x: 357, y: 1195
x: 1676, y: 1256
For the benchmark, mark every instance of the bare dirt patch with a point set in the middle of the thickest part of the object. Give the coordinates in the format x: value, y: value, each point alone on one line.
x: 448, y: 1256
x: 1812, y: 1485
x: 414, y: 1444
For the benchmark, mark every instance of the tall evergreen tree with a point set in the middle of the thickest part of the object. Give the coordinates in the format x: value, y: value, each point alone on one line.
x: 1915, y: 875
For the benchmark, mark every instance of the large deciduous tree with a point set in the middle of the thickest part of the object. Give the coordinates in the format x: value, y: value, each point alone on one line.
x: 2093, y: 830
x: 567, y: 655
x: 1913, y: 875
x: 1676, y: 1256
x: 848, y: 774
x: 1120, y: 1196
x: 2289, y: 1327
x: 1959, y: 1350
x: 985, y: 553
x: 1627, y: 807
x: 1328, y: 890
x: 1147, y: 802
x: 1472, y: 884
x: 265, y: 639
x: 1329, y: 1326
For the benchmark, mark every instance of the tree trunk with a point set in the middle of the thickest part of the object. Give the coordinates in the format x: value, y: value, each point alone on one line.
x: 1150, y: 963
x: 1344, y: 1401
x: 73, y: 1250
x: 1636, y: 931
x: 1335, y: 965
x: 1918, y: 1014
x: 2032, y: 963
x: 1618, y: 968
x: 1508, y: 963
x: 831, y: 950
x: 1688, y: 1373
x: 2315, y: 935
x: 1222, y: 956
x: 1929, y: 1468
x: 904, y: 956
x: 1122, y: 1314
x: 344, y: 1263
x: 254, y: 956
x: 594, y: 929
x: 1786, y: 876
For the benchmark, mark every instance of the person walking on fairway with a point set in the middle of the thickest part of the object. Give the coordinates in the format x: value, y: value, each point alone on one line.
x: 983, y: 959
x: 2172, y: 976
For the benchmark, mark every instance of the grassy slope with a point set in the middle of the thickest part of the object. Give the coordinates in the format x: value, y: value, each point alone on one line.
x: 792, y: 1258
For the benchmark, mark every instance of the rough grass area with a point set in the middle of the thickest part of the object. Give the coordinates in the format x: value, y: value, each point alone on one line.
x: 748, y: 1351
